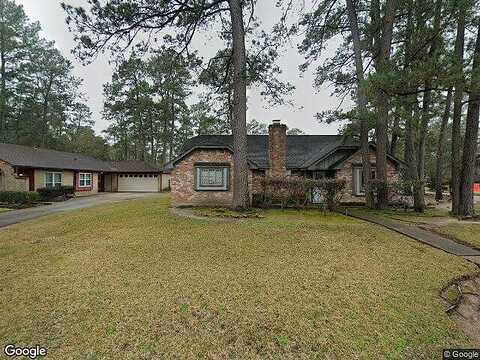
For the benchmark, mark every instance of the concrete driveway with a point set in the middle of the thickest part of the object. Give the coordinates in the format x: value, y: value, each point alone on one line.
x: 16, y: 216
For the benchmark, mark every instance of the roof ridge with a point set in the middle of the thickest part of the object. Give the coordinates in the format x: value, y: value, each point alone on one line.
x: 51, y: 150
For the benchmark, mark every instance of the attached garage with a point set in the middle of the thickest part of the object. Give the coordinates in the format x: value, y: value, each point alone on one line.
x: 135, y: 182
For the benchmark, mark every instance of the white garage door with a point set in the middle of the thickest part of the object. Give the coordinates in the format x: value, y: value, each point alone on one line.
x: 138, y: 182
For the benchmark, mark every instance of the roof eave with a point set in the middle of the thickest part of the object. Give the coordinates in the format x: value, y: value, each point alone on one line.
x: 189, y: 151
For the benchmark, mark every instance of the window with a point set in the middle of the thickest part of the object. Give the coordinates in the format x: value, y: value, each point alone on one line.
x: 85, y: 180
x: 358, y: 187
x: 53, y: 179
x: 212, y: 178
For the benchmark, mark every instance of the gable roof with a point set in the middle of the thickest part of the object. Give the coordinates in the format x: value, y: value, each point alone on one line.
x: 25, y: 156
x: 303, y: 151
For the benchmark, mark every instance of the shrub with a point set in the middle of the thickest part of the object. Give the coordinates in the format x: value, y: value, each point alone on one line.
x: 401, y: 192
x: 332, y: 191
x: 296, y: 191
x: 56, y: 192
x: 19, y: 197
x: 284, y: 191
x: 376, y: 186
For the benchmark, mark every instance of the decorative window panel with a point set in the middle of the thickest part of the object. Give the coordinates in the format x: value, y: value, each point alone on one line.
x: 213, y: 178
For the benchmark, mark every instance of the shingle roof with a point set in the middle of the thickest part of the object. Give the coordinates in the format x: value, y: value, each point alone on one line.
x: 302, y: 150
x: 19, y: 155
x: 132, y: 166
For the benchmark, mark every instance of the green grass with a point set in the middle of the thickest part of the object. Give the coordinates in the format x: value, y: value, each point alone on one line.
x: 466, y: 233
x: 433, y: 219
x: 410, y: 215
x: 132, y: 281
x: 4, y: 210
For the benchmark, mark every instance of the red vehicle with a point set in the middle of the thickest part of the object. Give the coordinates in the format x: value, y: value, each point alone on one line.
x: 476, y: 188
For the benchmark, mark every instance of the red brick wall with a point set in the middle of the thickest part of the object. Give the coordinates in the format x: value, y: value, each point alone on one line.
x: 346, y: 173
x: 9, y: 181
x: 183, y: 180
x: 277, y: 147
x: 255, y: 181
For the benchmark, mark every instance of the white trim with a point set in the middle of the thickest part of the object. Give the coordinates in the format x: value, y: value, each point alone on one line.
x: 53, y: 178
x: 357, y: 179
x: 80, y: 180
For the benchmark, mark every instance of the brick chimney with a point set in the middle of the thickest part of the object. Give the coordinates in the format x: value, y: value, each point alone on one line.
x: 277, y: 148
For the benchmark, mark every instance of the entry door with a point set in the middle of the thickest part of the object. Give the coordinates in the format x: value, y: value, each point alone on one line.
x: 101, y: 182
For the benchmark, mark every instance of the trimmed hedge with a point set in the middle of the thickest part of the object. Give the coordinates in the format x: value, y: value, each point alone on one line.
x: 19, y: 197
x: 292, y: 191
x: 56, y: 192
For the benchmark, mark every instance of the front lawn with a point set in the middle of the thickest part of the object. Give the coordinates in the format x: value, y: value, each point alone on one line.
x: 438, y: 221
x: 132, y: 281
x: 409, y: 215
x: 465, y: 233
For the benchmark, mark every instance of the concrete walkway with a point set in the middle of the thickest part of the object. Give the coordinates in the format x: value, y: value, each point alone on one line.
x: 16, y: 216
x: 424, y: 236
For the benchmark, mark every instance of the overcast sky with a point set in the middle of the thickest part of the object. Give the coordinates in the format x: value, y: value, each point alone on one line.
x: 307, y: 101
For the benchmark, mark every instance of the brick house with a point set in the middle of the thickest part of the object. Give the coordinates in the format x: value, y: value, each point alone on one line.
x: 24, y: 168
x: 203, y: 173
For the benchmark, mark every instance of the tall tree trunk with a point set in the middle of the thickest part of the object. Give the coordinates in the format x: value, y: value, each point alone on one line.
x: 457, y: 111
x: 164, y: 141
x: 3, y: 85
x: 427, y: 97
x: 442, y: 138
x: 241, y: 198
x: 361, y: 101
x: 410, y: 122
x: 140, y: 133
x: 395, y: 135
x: 153, y: 149
x: 383, y: 102
x: 466, y: 208
x: 172, y: 129
x: 45, y: 125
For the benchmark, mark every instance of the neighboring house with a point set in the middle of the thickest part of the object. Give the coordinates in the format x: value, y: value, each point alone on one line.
x: 25, y: 168
x: 203, y: 173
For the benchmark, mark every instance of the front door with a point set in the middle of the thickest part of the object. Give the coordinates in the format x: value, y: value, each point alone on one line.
x: 101, y: 182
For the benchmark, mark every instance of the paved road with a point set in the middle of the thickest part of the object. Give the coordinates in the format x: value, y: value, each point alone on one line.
x: 16, y: 216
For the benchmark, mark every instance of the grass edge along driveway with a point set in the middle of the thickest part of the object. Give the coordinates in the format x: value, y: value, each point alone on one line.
x: 132, y: 281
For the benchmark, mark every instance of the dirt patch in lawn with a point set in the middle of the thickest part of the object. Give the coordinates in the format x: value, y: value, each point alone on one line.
x: 214, y: 213
x: 191, y: 213
x: 463, y: 298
